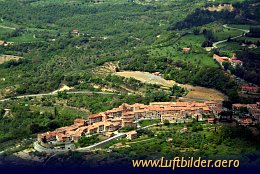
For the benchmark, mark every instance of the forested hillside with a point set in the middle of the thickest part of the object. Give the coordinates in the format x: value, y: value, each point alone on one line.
x: 147, y: 36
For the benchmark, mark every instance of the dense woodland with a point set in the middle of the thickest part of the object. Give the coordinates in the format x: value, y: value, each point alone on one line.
x: 47, y: 63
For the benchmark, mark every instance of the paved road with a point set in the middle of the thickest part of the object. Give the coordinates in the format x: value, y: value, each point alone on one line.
x: 55, y: 93
x: 40, y: 148
x: 97, y: 145
x: 119, y: 135
x: 223, y: 41
x: 93, y: 147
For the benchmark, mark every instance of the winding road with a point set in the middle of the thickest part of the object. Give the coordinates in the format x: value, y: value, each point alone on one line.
x: 56, y: 93
x: 93, y: 147
x: 223, y: 41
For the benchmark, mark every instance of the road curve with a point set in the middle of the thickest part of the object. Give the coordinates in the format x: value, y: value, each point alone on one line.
x: 223, y: 41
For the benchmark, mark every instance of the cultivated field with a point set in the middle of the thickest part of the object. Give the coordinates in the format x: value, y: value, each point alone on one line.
x: 195, y: 92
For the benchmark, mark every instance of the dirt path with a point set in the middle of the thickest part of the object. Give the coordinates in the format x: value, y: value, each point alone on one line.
x: 2, y: 26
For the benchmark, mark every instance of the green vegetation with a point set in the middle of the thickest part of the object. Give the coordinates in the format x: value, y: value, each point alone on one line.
x: 87, y: 141
x: 177, y: 91
x: 23, y: 38
x: 27, y: 118
x: 207, y: 141
x: 100, y: 103
x: 144, y: 123
x: 226, y: 33
x: 126, y: 129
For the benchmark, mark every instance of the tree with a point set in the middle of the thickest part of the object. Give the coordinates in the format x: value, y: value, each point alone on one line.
x: 196, y: 31
x: 56, y: 113
x: 62, y: 94
x: 166, y: 122
x: 177, y: 91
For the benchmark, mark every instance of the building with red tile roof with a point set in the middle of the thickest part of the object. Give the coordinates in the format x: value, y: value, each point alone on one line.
x: 233, y: 61
x: 250, y: 88
x: 126, y: 116
x: 186, y: 50
x: 132, y: 135
x: 211, y: 120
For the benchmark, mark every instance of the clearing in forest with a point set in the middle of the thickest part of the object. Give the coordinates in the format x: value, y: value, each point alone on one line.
x: 195, y: 92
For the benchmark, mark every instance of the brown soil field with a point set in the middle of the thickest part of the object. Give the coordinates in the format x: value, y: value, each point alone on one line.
x: 6, y: 58
x: 195, y: 92
x: 146, y: 77
x: 202, y: 93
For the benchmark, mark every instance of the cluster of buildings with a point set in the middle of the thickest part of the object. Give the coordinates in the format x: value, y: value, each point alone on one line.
x: 233, y: 61
x: 127, y: 116
x: 251, y: 88
x: 251, y: 113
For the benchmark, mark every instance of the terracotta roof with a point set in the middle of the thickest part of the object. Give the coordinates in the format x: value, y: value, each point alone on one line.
x: 91, y: 127
x: 247, y: 120
x: 211, y: 119
x: 99, y: 124
x: 238, y: 105
x: 95, y: 116
x: 49, y: 134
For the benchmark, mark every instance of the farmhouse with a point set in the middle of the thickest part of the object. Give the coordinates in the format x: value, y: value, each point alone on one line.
x: 233, y: 61
x: 211, y: 120
x: 186, y: 50
x: 76, y: 32
x: 157, y: 73
x: 131, y: 135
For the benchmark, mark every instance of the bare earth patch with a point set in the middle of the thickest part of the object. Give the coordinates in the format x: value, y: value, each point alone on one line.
x: 63, y: 88
x: 228, y: 7
x: 107, y: 68
x: 195, y: 92
x: 6, y: 58
x: 202, y: 93
x: 146, y: 77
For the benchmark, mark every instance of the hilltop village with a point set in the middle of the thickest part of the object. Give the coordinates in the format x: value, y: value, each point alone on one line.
x: 127, y: 116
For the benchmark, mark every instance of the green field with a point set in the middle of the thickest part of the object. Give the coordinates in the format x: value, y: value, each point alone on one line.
x: 226, y: 33
x: 4, y: 31
x: 24, y: 38
x: 244, y: 27
x: 198, y: 56
x: 247, y: 39
x: 232, y: 46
